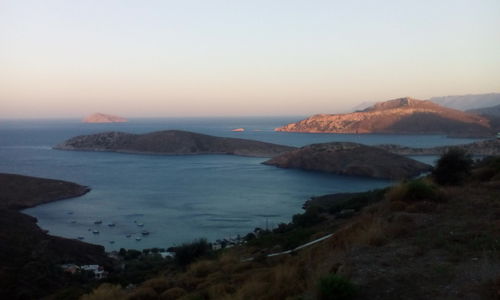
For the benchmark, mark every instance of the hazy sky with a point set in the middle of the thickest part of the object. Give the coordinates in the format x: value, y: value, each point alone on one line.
x: 69, y: 58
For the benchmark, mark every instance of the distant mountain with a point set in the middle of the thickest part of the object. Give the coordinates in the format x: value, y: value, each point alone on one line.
x: 171, y: 142
x: 467, y: 102
x: 398, y: 116
x: 487, y: 111
x: 350, y: 159
x: 103, y: 118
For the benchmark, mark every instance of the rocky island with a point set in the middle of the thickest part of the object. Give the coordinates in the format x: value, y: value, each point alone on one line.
x: 350, y: 159
x: 398, y: 116
x: 29, y: 257
x: 171, y: 142
x: 103, y: 118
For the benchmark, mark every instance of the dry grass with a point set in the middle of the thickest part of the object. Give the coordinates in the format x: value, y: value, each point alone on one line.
x: 105, y: 291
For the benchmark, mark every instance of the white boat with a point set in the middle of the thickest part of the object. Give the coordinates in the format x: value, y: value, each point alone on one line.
x: 140, y: 224
x: 95, y: 231
x: 145, y: 232
x: 138, y: 238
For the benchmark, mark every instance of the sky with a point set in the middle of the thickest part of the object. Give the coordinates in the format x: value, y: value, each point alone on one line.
x: 240, y: 58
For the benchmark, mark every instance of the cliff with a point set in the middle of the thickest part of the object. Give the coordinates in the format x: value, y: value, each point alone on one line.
x: 350, y: 159
x: 171, y: 142
x: 103, y: 118
x: 399, y: 116
x: 486, y: 147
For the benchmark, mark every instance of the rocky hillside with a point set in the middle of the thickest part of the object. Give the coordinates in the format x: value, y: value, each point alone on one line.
x: 103, y: 118
x: 29, y: 257
x: 486, y: 147
x: 399, y: 116
x: 350, y: 159
x: 171, y: 142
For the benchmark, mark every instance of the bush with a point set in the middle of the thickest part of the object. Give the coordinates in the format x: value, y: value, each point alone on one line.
x: 189, y: 252
x: 335, y: 287
x: 453, y: 167
x: 310, y: 218
x: 414, y: 191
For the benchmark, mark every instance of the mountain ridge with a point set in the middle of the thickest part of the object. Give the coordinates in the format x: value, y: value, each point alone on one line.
x: 398, y: 116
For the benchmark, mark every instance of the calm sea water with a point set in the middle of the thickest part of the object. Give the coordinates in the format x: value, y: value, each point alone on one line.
x: 177, y: 198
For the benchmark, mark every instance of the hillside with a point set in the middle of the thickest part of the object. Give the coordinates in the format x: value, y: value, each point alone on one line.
x: 399, y: 116
x: 416, y: 240
x: 350, y: 159
x: 489, y: 111
x: 29, y: 257
x: 486, y: 147
x: 171, y: 142
x: 103, y: 118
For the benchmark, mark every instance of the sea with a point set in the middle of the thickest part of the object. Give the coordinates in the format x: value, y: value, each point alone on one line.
x: 177, y: 198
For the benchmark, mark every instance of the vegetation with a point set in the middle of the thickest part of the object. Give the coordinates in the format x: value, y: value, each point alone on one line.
x: 335, y: 287
x: 416, y: 238
x: 453, y: 167
x: 189, y: 252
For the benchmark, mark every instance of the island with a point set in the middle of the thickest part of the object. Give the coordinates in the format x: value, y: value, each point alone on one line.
x: 30, y: 258
x: 103, y: 118
x: 171, y: 142
x: 398, y: 116
x: 347, y: 158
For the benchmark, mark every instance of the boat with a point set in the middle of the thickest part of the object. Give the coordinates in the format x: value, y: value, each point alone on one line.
x: 98, y: 222
x: 112, y: 224
x: 140, y: 224
x: 145, y: 232
x: 73, y: 222
x: 128, y: 235
x: 138, y: 238
x: 80, y: 238
x: 95, y: 231
x: 111, y: 242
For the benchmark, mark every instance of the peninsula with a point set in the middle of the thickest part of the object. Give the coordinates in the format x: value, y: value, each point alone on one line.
x: 350, y: 159
x: 398, y: 116
x: 171, y: 142
x: 29, y: 257
x: 103, y: 118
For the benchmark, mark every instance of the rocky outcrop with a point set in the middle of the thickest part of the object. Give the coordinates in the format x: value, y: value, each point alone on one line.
x: 486, y: 147
x: 171, y: 142
x: 399, y: 116
x: 350, y: 159
x: 103, y: 118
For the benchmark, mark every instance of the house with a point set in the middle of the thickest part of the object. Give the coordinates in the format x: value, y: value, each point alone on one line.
x: 98, y: 271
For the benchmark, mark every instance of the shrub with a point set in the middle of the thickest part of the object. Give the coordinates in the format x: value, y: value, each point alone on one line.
x: 335, y: 287
x: 189, y: 252
x: 104, y: 292
x: 309, y: 218
x: 453, y: 167
x: 413, y: 191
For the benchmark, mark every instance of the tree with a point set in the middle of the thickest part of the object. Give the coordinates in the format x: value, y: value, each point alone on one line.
x: 453, y: 167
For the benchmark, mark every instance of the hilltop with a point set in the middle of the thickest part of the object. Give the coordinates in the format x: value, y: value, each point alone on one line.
x: 171, y: 142
x: 103, y: 118
x: 398, y: 116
